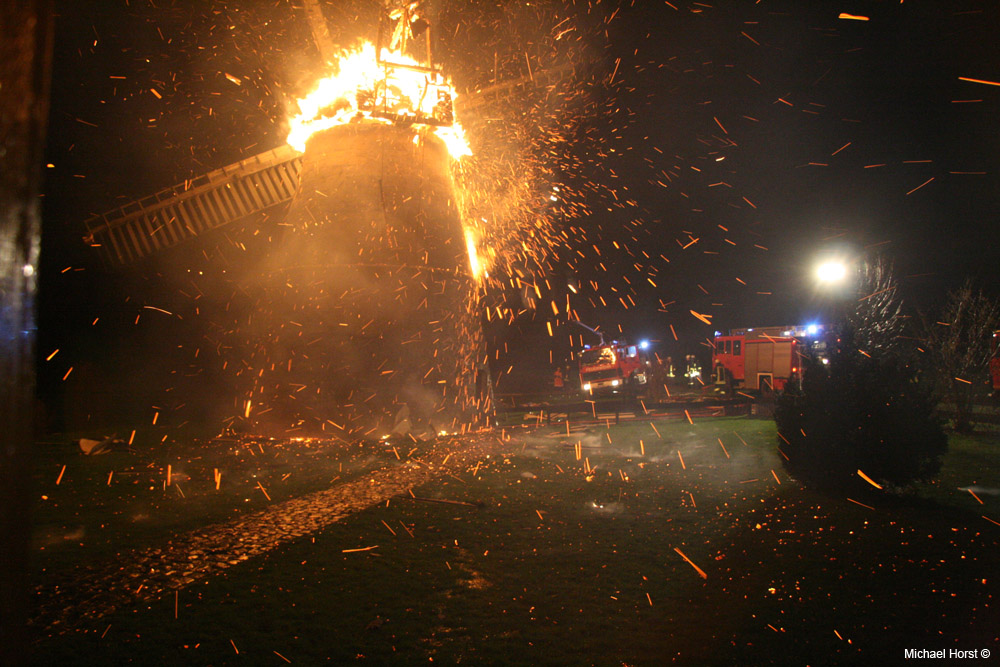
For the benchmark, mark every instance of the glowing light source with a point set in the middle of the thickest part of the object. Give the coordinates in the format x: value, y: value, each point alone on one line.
x: 470, y: 246
x: 361, y: 88
x: 831, y: 272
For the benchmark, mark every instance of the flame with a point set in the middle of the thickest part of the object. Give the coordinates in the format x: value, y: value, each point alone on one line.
x: 454, y: 138
x: 363, y: 89
x: 470, y: 246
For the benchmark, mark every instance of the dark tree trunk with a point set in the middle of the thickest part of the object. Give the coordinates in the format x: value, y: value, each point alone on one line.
x: 25, y: 44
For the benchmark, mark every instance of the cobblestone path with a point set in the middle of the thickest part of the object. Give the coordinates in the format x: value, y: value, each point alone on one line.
x: 84, y: 597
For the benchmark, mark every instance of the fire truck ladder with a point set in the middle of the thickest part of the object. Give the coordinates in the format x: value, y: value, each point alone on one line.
x: 171, y: 216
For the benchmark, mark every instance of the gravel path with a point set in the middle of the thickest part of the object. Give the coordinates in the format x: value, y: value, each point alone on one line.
x: 86, y: 596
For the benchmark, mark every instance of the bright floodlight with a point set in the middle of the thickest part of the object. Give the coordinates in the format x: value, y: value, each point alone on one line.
x: 831, y: 272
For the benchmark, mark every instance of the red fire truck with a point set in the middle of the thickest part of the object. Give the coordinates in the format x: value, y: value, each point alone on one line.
x: 614, y: 368
x: 765, y: 358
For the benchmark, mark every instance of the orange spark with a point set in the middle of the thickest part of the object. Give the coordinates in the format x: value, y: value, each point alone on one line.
x: 869, y: 480
x: 707, y: 319
x: 840, y: 149
x: 862, y: 504
x: 700, y: 571
x: 920, y: 186
x: 988, y: 83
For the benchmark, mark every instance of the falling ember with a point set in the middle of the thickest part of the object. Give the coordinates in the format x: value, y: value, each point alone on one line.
x: 470, y: 246
x: 861, y: 504
x: 365, y: 87
x: 700, y: 571
x: 869, y: 480
x: 707, y: 319
x: 982, y: 81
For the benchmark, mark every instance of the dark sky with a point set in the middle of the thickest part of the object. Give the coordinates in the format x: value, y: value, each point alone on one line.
x: 769, y: 131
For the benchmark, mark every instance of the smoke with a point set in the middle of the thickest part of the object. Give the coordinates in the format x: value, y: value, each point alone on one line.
x: 359, y: 302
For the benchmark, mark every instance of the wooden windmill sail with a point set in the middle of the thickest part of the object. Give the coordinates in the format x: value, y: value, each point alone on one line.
x: 255, y: 185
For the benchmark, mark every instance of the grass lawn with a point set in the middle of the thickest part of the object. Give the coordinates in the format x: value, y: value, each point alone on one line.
x: 664, y: 542
x: 93, y: 507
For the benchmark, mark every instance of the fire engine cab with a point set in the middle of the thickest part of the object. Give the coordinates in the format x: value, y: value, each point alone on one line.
x: 614, y: 368
x: 763, y: 359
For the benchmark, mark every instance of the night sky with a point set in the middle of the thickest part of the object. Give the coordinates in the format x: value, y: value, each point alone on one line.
x: 768, y: 131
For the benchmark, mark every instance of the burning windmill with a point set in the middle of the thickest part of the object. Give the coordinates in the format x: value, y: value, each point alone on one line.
x: 362, y: 312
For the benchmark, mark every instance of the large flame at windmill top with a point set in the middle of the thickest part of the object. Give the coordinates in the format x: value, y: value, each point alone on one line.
x: 370, y: 87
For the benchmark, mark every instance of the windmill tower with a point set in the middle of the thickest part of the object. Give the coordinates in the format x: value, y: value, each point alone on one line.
x: 361, y: 311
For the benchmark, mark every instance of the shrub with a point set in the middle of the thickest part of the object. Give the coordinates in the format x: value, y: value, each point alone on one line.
x: 861, y: 412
